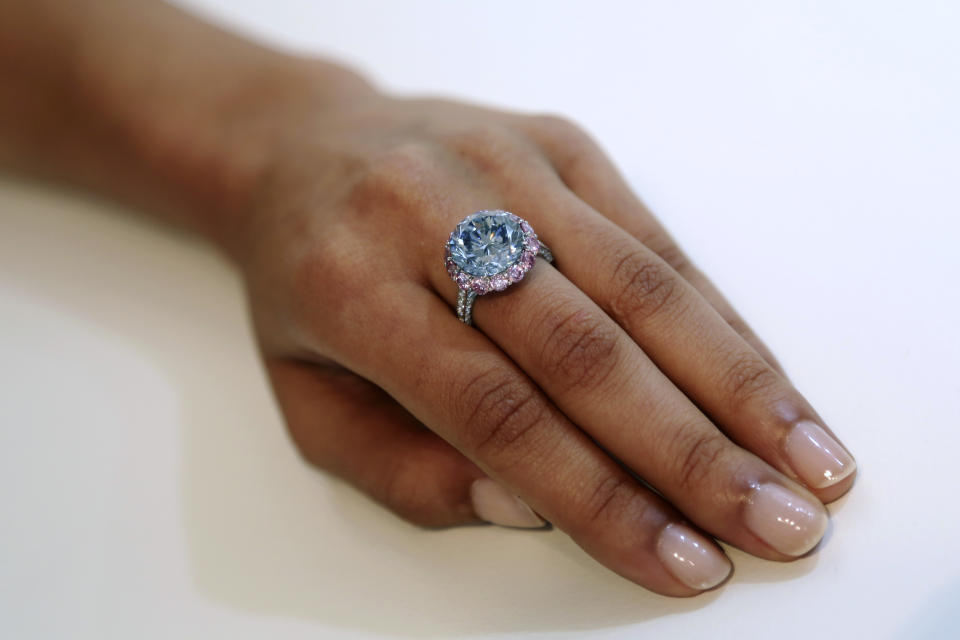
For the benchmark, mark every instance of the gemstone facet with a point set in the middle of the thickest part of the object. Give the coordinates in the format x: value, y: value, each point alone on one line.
x: 487, y: 243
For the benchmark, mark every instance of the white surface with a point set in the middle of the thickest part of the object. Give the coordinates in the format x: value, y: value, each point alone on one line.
x: 806, y: 154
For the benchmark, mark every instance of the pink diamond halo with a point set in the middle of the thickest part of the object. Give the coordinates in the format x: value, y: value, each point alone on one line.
x: 490, y: 250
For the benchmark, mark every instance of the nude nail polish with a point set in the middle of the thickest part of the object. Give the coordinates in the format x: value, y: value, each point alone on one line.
x: 495, y: 504
x: 789, y: 523
x: 816, y: 457
x: 691, y: 558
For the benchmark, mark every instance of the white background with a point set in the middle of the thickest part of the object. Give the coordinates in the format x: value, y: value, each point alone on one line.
x: 807, y: 154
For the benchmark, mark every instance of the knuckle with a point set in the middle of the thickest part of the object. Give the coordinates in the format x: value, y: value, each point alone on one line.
x: 397, y: 177
x: 573, y: 150
x: 505, y: 414
x: 558, y: 127
x: 701, y: 452
x: 748, y: 377
x: 580, y: 350
x: 609, y: 501
x: 479, y: 138
x: 642, y: 287
x: 489, y: 148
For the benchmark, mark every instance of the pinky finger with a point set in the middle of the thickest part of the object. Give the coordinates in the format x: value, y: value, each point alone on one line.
x: 352, y: 429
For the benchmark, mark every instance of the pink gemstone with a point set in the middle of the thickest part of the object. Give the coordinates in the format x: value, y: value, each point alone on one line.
x: 527, y: 229
x: 452, y: 268
x: 499, y: 282
x: 464, y: 280
x: 480, y: 286
x: 527, y: 259
x: 515, y: 273
x: 532, y: 244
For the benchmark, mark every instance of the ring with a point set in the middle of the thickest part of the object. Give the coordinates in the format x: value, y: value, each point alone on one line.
x: 488, y: 251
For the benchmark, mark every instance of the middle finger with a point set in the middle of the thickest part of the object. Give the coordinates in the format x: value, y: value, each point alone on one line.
x: 601, y: 380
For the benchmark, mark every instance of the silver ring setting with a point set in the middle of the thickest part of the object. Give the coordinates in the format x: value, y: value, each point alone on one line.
x: 487, y: 252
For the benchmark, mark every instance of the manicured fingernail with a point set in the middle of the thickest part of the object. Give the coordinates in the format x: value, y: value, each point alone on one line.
x: 816, y: 457
x: 787, y: 522
x: 495, y: 504
x: 691, y: 558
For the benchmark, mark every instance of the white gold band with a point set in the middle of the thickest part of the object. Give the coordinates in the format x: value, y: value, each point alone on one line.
x: 465, y: 298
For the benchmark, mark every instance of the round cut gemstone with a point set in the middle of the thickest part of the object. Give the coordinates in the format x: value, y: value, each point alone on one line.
x: 486, y: 243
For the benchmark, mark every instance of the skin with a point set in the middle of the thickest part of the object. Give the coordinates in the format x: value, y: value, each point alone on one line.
x: 334, y: 200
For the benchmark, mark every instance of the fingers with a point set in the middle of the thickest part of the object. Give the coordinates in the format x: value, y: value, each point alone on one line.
x: 693, y: 345
x: 347, y: 426
x: 587, y: 171
x: 602, y: 381
x: 454, y: 380
x: 642, y: 225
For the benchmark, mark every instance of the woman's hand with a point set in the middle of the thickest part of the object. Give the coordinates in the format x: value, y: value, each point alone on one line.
x: 617, y: 394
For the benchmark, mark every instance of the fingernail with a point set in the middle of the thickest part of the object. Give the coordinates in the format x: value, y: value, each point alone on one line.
x: 691, y: 558
x: 787, y: 522
x: 816, y: 457
x: 495, y: 504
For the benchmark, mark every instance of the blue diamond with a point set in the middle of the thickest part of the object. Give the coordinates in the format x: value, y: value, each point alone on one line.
x: 486, y: 242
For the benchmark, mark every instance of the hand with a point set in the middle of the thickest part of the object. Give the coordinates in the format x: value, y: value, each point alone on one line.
x: 622, y: 363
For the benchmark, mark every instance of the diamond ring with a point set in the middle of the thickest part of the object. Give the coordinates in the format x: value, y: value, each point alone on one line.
x: 489, y: 251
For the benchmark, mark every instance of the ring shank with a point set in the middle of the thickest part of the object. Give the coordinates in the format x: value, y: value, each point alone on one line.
x: 465, y: 299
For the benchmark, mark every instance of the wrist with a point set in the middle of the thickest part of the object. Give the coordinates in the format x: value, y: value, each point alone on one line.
x: 208, y: 146
x: 142, y: 102
x: 215, y: 151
